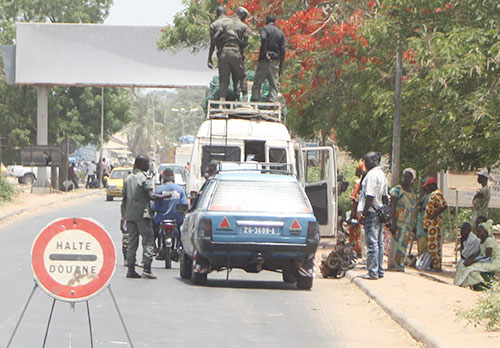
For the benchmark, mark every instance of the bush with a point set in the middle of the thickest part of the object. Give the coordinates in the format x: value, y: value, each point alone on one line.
x: 6, y: 190
x: 487, y: 310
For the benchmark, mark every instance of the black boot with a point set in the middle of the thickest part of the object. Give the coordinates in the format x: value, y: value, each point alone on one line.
x: 132, y: 273
x: 146, y: 273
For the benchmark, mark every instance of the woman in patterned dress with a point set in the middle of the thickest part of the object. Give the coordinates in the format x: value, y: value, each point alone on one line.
x: 433, y: 222
x: 403, y: 211
x: 355, y: 229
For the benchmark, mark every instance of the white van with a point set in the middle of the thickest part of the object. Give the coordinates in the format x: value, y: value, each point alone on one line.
x: 256, y: 132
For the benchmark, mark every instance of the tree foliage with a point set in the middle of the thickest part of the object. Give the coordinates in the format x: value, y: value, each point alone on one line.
x: 340, y: 72
x: 145, y: 135
x: 73, y: 111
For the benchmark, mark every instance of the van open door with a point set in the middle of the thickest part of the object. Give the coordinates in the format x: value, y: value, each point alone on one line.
x: 320, y: 179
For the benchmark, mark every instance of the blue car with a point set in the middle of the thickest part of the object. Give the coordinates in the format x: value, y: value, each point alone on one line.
x: 254, y: 220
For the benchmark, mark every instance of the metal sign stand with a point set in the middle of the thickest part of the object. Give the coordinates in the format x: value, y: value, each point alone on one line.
x: 73, y: 307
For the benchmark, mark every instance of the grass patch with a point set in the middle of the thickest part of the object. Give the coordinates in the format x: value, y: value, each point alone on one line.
x: 487, y: 310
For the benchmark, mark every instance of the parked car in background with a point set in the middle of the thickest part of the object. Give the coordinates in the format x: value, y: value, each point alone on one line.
x: 115, y: 182
x: 180, y: 173
x: 25, y: 175
x: 254, y: 220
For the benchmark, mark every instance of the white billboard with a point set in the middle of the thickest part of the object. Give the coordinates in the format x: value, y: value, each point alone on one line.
x: 465, y: 183
x: 103, y: 55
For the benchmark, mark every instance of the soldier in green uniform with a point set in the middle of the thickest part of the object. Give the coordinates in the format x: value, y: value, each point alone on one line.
x: 271, y: 58
x: 231, y: 37
x: 241, y: 84
x: 136, y: 210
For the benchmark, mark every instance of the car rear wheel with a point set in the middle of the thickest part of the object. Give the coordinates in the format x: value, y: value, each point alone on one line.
x: 28, y: 179
x: 199, y: 278
x: 109, y: 198
x: 289, y: 275
x: 186, y: 266
x: 304, y: 283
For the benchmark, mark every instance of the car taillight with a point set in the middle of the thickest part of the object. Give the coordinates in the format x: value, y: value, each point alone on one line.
x: 205, y: 228
x: 313, y: 231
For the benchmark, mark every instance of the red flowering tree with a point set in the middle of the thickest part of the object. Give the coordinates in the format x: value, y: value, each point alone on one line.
x: 340, y: 72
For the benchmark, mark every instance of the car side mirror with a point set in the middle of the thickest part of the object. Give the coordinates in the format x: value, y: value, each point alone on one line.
x: 182, y: 208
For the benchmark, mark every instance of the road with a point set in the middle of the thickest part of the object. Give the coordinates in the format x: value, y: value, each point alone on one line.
x: 249, y: 310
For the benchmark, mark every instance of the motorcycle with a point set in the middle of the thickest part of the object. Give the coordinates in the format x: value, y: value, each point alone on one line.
x: 167, y: 242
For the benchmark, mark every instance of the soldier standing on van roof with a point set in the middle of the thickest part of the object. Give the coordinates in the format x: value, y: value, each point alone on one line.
x: 271, y: 58
x: 230, y: 36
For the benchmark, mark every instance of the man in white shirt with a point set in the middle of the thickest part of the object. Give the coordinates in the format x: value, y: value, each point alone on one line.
x: 91, y: 170
x: 372, y: 196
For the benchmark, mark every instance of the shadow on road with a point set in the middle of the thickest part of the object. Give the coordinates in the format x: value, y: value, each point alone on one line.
x: 243, y: 284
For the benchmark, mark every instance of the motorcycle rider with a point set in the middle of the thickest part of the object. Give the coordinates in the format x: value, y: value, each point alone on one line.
x: 166, y: 209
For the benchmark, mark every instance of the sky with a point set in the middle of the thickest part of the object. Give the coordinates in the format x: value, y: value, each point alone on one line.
x: 143, y: 12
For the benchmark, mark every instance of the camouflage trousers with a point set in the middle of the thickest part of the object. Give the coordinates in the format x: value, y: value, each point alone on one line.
x: 123, y: 228
x: 143, y: 228
x: 231, y: 62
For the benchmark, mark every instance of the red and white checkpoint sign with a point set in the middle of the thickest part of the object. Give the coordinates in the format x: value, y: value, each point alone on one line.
x: 73, y: 259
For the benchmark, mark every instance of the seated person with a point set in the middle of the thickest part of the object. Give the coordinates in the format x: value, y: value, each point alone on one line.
x: 477, y: 271
x: 166, y: 209
x: 469, y: 242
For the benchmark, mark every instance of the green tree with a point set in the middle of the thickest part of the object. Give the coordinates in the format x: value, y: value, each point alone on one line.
x: 73, y: 111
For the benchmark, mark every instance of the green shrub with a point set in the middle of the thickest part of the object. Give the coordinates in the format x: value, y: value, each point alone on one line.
x: 487, y: 310
x: 6, y: 190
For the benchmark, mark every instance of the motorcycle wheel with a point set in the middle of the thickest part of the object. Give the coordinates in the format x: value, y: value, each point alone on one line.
x: 167, y: 253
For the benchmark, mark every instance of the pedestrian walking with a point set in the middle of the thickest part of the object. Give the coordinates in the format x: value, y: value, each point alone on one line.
x: 91, y: 172
x: 136, y: 210
x: 482, y: 197
x: 433, y: 222
x: 403, y: 219
x: 271, y: 58
x: 372, y: 197
x: 72, y: 175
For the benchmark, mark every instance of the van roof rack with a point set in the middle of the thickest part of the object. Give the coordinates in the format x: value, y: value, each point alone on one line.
x: 218, y: 109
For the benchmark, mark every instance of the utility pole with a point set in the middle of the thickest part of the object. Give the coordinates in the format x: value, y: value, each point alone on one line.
x: 396, y: 127
x: 102, y: 138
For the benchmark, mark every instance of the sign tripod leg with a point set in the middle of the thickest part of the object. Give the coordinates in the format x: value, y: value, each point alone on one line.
x: 121, y: 318
x: 48, y: 323
x: 22, y: 315
x: 90, y: 326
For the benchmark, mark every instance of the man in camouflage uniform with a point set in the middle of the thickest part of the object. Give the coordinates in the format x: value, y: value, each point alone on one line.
x: 136, y: 209
x: 271, y: 58
x: 231, y: 37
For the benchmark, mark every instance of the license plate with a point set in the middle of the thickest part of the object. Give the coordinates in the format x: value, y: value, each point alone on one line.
x: 258, y: 230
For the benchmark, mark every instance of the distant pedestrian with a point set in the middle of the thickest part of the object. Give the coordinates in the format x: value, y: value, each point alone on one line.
x: 433, y: 222
x: 72, y: 175
x: 354, y: 226
x: 421, y: 233
x: 403, y: 219
x: 373, y: 195
x: 91, y: 175
x: 271, y: 59
x: 482, y: 197
x: 136, y: 210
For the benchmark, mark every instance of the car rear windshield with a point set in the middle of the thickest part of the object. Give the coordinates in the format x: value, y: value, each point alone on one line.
x: 260, y: 196
x: 118, y: 174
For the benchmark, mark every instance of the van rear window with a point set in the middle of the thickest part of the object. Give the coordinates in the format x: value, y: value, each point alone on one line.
x: 220, y: 153
x: 261, y: 197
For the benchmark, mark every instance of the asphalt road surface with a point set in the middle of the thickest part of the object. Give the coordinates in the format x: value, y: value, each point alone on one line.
x: 249, y: 310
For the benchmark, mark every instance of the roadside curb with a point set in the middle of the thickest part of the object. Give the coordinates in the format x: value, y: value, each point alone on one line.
x: 411, y: 326
x: 23, y: 210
